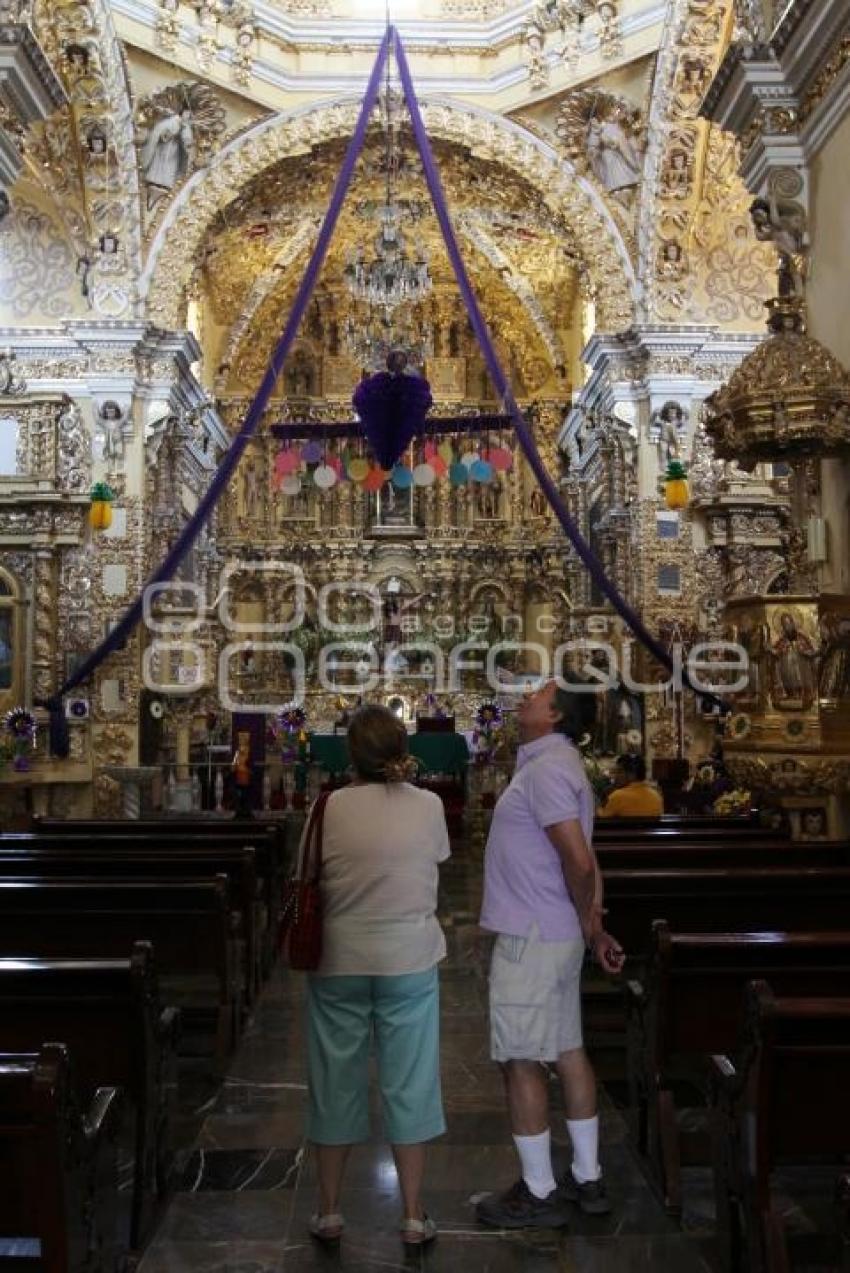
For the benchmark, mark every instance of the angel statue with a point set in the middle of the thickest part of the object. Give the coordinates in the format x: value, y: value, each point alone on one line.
x: 782, y: 221
x: 613, y: 156
x: 167, y: 154
x: 179, y: 127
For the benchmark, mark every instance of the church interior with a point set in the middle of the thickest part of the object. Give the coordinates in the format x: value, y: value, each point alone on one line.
x: 322, y: 389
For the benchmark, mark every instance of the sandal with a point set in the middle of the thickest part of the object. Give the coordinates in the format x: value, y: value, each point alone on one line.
x: 418, y: 1232
x: 327, y: 1228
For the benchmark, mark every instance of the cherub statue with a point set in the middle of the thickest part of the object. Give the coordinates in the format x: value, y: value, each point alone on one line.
x: 111, y: 425
x: 783, y: 223
x: 668, y: 425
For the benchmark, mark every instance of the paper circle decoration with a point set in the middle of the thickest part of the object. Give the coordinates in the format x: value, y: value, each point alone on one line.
x: 469, y: 458
x: 287, y: 462
x: 458, y: 474
x: 291, y: 485
x: 424, y: 475
x: 374, y: 480
x: 325, y: 477
x: 358, y: 469
x: 481, y: 471
x: 311, y: 452
x: 446, y: 451
x: 438, y: 464
x: 401, y: 477
x: 501, y: 459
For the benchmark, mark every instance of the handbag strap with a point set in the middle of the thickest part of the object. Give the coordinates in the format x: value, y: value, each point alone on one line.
x: 314, y: 839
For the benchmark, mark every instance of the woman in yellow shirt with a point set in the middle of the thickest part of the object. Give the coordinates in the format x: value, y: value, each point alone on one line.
x: 632, y: 797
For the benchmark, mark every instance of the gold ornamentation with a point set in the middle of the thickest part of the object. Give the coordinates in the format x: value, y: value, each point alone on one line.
x: 826, y: 77
x: 251, y: 157
x: 789, y: 397
x: 85, y: 155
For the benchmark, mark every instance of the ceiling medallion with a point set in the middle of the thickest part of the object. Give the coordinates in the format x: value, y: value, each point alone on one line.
x: 391, y: 278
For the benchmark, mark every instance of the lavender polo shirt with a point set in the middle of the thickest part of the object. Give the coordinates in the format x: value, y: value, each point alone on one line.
x: 523, y: 880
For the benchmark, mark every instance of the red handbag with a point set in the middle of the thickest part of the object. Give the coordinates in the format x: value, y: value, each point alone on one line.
x: 301, y: 919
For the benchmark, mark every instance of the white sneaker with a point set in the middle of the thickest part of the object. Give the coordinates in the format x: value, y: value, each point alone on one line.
x: 418, y: 1232
x: 327, y: 1228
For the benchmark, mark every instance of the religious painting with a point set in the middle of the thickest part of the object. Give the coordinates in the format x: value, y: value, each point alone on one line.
x: 6, y: 649
x: 753, y: 636
x: 793, y: 661
x: 834, y: 660
x: 813, y: 823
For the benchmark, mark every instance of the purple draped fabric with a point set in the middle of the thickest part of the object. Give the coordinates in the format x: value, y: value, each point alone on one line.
x: 503, y: 390
x: 225, y: 470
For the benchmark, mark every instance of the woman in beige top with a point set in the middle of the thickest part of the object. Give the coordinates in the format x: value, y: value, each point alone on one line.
x: 382, y: 842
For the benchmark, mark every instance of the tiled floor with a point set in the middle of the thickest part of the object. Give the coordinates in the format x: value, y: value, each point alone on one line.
x: 246, y: 1189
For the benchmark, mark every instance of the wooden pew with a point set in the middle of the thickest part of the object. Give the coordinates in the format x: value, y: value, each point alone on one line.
x: 58, y: 1164
x: 108, y: 1014
x: 751, y: 899
x: 185, y: 921
x: 689, y: 1006
x: 114, y: 858
x: 606, y: 829
x: 687, y: 823
x: 270, y: 859
x: 733, y: 853
x: 785, y: 1099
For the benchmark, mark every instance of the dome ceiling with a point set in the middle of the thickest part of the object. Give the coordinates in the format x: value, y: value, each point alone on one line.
x: 521, y: 257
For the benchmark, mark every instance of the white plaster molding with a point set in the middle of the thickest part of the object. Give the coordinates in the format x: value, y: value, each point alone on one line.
x: 453, y: 36
x: 253, y: 136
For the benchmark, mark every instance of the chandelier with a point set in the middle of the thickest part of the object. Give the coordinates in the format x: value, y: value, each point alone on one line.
x: 392, y: 278
x: 372, y: 341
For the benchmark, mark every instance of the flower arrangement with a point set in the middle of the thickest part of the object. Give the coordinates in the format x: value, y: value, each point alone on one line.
x: 488, y: 717
x: 20, y: 727
x: 732, y: 804
x: 292, y: 719
x: 488, y: 725
x: 290, y: 730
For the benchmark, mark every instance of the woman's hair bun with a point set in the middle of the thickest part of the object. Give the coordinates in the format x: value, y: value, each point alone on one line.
x: 401, y: 769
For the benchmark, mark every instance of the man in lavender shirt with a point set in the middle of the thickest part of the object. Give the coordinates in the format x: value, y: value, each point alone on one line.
x: 543, y: 899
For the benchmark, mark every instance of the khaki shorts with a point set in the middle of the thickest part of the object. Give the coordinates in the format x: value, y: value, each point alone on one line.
x: 535, y: 998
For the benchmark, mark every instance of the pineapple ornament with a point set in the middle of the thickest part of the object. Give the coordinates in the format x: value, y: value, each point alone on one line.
x: 100, y: 513
x: 676, y: 485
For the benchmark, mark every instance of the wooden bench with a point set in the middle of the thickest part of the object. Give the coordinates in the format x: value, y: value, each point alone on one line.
x: 785, y: 1099
x: 108, y: 1014
x: 687, y: 823
x: 749, y: 899
x: 185, y: 921
x: 689, y: 1006
x: 271, y: 861
x: 58, y: 1166
x: 114, y: 858
x: 732, y: 853
x: 608, y: 829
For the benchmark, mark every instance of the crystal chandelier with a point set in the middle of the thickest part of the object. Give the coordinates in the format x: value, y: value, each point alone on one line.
x: 371, y: 341
x: 392, y: 278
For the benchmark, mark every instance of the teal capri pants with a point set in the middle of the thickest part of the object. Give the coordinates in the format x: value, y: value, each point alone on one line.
x: 403, y: 1015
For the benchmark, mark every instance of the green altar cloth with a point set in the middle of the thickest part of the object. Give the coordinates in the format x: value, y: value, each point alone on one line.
x: 437, y: 753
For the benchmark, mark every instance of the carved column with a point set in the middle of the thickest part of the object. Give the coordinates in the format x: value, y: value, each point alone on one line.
x: 44, y: 625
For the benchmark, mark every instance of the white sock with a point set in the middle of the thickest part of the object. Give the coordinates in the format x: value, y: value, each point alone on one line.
x: 536, y: 1159
x: 584, y: 1133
